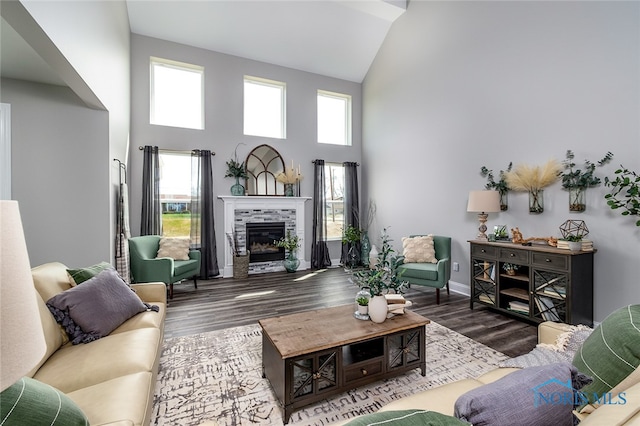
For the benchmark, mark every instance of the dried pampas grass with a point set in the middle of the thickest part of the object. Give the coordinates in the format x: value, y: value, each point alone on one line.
x: 531, y: 178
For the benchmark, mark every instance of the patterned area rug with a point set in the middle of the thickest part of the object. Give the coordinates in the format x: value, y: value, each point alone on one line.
x: 218, y: 376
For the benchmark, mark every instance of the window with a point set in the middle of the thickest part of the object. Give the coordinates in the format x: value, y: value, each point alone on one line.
x: 177, y: 94
x: 175, y: 194
x: 334, y: 190
x: 264, y: 108
x: 334, y: 118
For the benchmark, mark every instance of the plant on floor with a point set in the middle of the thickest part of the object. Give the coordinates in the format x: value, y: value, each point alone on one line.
x: 383, y: 277
x: 351, y: 234
x: 289, y: 242
x: 625, y: 192
x: 232, y: 238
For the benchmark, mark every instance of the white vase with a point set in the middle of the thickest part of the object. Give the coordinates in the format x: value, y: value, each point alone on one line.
x: 574, y: 245
x: 378, y: 309
x: 373, y: 257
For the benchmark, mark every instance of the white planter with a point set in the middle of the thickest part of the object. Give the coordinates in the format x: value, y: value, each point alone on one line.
x: 378, y: 309
x: 364, y: 310
x: 574, y: 245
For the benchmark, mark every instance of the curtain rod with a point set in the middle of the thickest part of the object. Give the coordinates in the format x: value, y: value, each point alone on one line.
x: 176, y: 151
x: 336, y: 162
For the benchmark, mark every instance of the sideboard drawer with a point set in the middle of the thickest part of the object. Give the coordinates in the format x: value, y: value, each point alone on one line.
x: 511, y: 255
x: 364, y: 369
x: 484, y: 251
x: 546, y: 260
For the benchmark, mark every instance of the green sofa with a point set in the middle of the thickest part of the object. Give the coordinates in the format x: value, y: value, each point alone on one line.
x: 434, y: 275
x: 146, y: 268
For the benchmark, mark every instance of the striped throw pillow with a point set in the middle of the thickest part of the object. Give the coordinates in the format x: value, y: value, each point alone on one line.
x: 33, y: 403
x: 611, y: 352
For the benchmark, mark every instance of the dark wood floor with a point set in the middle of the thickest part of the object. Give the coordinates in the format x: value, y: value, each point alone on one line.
x: 228, y: 302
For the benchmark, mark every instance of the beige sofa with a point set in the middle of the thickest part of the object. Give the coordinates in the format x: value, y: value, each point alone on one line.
x: 111, y: 379
x: 443, y: 398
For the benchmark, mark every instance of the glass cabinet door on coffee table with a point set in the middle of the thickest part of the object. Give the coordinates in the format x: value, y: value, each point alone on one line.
x: 313, y: 374
x: 404, y: 349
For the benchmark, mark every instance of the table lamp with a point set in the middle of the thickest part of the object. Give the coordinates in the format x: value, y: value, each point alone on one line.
x: 483, y: 202
x: 22, y: 343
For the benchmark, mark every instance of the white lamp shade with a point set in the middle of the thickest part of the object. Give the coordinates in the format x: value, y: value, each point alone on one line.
x: 22, y: 343
x: 484, y: 202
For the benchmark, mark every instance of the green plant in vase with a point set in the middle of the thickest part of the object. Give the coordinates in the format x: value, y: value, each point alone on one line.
x: 362, y: 301
x: 510, y: 268
x: 351, y: 236
x: 501, y: 185
x: 236, y: 169
x: 625, y: 192
x: 576, y: 181
x: 290, y: 243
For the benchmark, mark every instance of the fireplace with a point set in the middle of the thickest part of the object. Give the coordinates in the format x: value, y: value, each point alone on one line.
x: 260, y: 237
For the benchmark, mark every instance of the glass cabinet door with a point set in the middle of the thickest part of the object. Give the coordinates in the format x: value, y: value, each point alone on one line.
x: 404, y: 349
x: 550, y: 295
x: 484, y: 281
x: 314, y: 374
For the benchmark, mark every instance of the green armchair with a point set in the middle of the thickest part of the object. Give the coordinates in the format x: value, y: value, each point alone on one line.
x: 145, y: 267
x: 435, y: 275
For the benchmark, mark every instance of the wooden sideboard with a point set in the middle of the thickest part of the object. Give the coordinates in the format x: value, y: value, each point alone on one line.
x: 549, y: 284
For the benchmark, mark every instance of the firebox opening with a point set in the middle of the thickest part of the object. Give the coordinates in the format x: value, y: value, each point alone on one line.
x: 260, y: 238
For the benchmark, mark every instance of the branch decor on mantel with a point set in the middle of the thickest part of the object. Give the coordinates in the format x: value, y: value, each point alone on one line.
x: 534, y: 179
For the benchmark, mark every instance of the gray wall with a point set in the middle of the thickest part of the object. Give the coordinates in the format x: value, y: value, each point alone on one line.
x: 459, y: 85
x: 87, y: 44
x: 223, y: 121
x: 59, y: 152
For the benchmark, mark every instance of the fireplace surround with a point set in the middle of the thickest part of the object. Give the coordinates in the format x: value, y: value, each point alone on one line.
x: 239, y: 211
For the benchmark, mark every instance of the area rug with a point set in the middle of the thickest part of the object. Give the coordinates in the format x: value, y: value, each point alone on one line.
x: 218, y: 376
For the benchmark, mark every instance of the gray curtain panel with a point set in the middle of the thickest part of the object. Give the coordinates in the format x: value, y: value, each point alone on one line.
x: 319, y: 251
x: 203, y: 234
x: 351, y: 206
x: 151, y: 219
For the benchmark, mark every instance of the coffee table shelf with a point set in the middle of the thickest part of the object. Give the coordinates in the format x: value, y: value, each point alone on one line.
x: 311, y: 355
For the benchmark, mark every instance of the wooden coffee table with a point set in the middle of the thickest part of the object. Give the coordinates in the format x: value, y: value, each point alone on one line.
x: 312, y: 355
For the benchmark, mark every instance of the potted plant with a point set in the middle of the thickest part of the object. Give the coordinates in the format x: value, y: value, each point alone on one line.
x: 290, y: 243
x: 576, y: 181
x: 350, y: 237
x: 534, y: 179
x: 236, y: 170
x: 573, y: 241
x: 381, y: 278
x: 501, y: 185
x: 363, y: 305
x: 625, y: 192
x: 510, y: 268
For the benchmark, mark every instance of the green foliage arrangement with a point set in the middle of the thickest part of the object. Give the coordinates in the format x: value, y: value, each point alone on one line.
x: 384, y: 275
x: 288, y: 242
x: 625, y: 192
x: 362, y: 301
x: 351, y: 235
x: 235, y: 168
x: 501, y: 185
x: 578, y: 178
x: 510, y: 267
x: 573, y: 238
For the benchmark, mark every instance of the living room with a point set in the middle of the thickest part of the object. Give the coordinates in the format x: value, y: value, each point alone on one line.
x: 453, y: 87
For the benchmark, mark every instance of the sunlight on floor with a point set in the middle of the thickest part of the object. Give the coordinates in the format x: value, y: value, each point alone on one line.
x: 257, y: 294
x: 309, y: 275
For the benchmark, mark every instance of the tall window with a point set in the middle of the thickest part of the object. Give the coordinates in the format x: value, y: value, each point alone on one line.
x: 334, y: 189
x: 334, y: 118
x: 175, y: 194
x: 177, y: 94
x: 264, y: 107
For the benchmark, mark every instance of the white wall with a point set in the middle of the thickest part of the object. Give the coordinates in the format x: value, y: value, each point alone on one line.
x: 459, y: 85
x: 56, y: 144
x: 223, y: 121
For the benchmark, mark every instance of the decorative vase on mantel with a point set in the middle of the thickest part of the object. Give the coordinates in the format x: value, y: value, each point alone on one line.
x: 237, y: 189
x: 378, y: 309
x: 289, y: 190
x: 291, y: 262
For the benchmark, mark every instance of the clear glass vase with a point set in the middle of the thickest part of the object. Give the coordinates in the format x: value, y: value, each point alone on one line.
x: 365, y: 248
x: 504, y: 200
x: 576, y: 199
x: 536, y: 201
x: 289, y: 190
x: 237, y: 189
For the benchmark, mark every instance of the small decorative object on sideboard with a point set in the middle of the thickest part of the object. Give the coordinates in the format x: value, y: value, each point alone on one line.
x: 576, y: 181
x: 573, y: 236
x: 362, y: 305
x: 501, y: 233
x: 510, y: 268
x: 290, y: 243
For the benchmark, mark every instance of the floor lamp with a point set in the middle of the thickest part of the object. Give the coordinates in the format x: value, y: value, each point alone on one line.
x: 22, y: 343
x: 483, y: 202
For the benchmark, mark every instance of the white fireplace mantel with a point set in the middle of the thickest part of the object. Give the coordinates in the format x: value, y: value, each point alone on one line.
x: 233, y: 203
